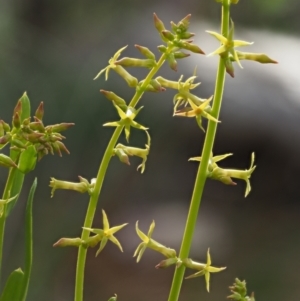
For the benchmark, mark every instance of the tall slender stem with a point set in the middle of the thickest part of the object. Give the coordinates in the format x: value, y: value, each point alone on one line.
x: 6, y: 195
x: 202, y: 170
x: 81, y: 259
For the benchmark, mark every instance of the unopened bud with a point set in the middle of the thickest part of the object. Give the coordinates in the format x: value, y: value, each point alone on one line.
x: 159, y: 25
x: 4, y: 139
x: 167, y: 83
x: 145, y: 51
x: 168, y: 35
x: 120, y: 153
x: 132, y: 62
x: 39, y: 113
x: 5, y: 126
x: 180, y: 55
x: 258, y: 57
x: 37, y: 126
x: 162, y: 48
x: 120, y: 102
x: 16, y: 121
x: 172, y: 62
x: 131, y: 80
x: 68, y: 242
x: 18, y: 108
x: 191, y: 47
x: 6, y: 161
x: 166, y: 263
x: 57, y: 128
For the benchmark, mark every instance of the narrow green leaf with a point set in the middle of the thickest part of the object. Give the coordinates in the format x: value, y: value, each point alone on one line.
x: 28, y: 241
x: 13, y: 286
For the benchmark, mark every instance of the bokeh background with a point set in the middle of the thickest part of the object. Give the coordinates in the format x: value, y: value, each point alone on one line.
x: 53, y: 49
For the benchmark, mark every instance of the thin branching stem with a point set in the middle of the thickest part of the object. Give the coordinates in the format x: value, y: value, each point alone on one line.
x: 81, y: 259
x: 202, y: 170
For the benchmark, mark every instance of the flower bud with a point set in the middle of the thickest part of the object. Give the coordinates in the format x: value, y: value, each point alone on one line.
x: 37, y: 126
x: 191, y: 47
x: 5, y: 126
x: 168, y: 35
x: 159, y: 25
x: 145, y: 52
x: 18, y: 108
x: 184, y: 23
x: 132, y: 62
x: 172, y: 62
x: 166, y: 263
x: 131, y: 80
x: 167, y: 83
x: 16, y: 121
x: 115, y: 98
x: 258, y: 57
x: 6, y: 161
x: 180, y: 55
x: 162, y: 48
x: 114, y: 298
x: 57, y: 128
x: 120, y: 153
x: 62, y: 147
x: 229, y: 67
x: 27, y: 159
x: 4, y: 139
x: 18, y: 143
x: 68, y: 242
x: 234, y: 1
x: 39, y: 113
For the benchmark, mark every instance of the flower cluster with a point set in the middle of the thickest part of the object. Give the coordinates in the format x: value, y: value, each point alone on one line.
x: 31, y: 140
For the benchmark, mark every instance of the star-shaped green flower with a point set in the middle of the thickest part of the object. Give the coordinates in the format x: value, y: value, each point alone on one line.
x: 225, y: 175
x: 148, y: 242
x: 228, y: 44
x: 127, y: 120
x: 131, y: 80
x: 197, y: 111
x: 204, y: 269
x: 123, y: 151
x: 106, y: 233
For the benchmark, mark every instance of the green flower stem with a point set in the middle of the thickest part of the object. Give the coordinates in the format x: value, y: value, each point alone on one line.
x: 202, y: 170
x: 6, y: 195
x: 99, y: 181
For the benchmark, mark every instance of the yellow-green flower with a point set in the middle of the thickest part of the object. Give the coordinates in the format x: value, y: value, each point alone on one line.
x: 105, y: 234
x: 126, y: 120
x: 225, y: 175
x: 131, y: 80
x: 228, y: 44
x: 148, y: 242
x: 204, y: 268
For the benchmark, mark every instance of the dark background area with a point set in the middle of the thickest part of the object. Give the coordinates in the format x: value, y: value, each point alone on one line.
x: 53, y: 49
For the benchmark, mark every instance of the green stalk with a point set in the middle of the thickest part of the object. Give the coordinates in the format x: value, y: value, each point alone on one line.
x: 6, y: 195
x: 81, y: 259
x: 202, y: 170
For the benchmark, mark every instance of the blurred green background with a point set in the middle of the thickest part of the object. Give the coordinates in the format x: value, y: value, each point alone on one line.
x: 53, y: 49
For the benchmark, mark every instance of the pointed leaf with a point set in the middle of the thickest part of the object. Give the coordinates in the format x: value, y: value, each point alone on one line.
x: 13, y: 286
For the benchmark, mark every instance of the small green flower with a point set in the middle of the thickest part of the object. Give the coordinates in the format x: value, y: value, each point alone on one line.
x: 123, y: 151
x: 204, y: 269
x: 131, y: 80
x: 127, y: 120
x: 148, y: 242
x: 106, y: 233
x: 228, y: 44
x: 197, y: 111
x: 225, y: 175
